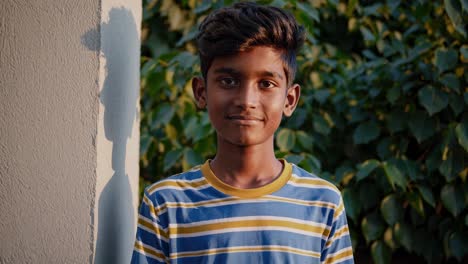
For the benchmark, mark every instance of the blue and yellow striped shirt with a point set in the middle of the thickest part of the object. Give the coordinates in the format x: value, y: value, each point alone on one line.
x: 193, y: 217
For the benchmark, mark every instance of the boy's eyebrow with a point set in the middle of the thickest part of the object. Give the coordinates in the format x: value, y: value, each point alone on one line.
x: 272, y: 74
x: 226, y: 70
x: 235, y: 72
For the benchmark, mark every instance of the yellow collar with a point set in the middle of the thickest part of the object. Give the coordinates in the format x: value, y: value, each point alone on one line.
x: 269, y: 188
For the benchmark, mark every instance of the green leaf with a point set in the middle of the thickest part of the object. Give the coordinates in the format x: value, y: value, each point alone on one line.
x: 344, y: 172
x: 171, y: 158
x: 383, y: 148
x: 454, y: 11
x: 419, y: 49
x: 164, y: 114
x: 367, y: 34
x: 365, y: 168
x: 309, y: 11
x: 427, y: 195
x: 445, y: 59
x: 145, y: 142
x: 334, y: 2
x: 321, y: 125
x: 305, y: 140
x: 456, y: 103
x: 153, y: 82
x: 416, y: 202
x: 391, y: 209
x: 453, y: 199
x: 357, y: 115
x: 464, y: 48
x: 461, y: 130
x: 451, y: 81
x: 396, y: 120
x: 372, y: 227
x: 458, y: 245
x: 433, y: 160
x: 171, y: 132
x: 421, y: 125
x: 297, y: 120
x: 190, y: 127
x: 202, y: 132
x: 147, y: 67
x: 314, y: 163
x: 205, y: 5
x: 286, y: 139
x: 321, y: 95
x: 366, y: 132
x: 410, y: 168
x: 464, y: 4
x: 403, y: 235
x: 393, y: 94
x: 380, y: 253
x: 278, y: 3
x: 452, y: 155
x: 352, y: 204
x: 296, y: 159
x: 452, y: 163
x: 369, y: 54
x: 185, y: 59
x: 372, y: 10
x: 433, y: 99
x: 192, y: 158
x: 350, y: 7
x: 389, y: 239
x: 394, y: 175
x: 191, y: 35
x: 393, y: 5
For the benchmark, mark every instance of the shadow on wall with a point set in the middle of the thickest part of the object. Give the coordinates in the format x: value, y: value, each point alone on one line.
x: 119, y: 96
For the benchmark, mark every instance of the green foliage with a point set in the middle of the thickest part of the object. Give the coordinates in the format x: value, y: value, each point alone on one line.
x: 383, y: 113
x: 285, y: 139
x: 380, y: 252
x: 366, y: 168
x: 391, y: 209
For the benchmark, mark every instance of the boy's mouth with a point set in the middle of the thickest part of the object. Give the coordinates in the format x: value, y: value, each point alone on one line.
x: 244, y: 119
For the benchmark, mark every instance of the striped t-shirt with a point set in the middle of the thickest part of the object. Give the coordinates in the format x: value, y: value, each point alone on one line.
x: 193, y: 217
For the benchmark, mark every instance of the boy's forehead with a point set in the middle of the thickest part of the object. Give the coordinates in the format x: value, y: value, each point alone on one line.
x: 259, y: 60
x: 234, y: 71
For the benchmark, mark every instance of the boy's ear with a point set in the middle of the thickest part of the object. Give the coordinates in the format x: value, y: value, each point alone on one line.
x: 292, y: 98
x: 199, y: 92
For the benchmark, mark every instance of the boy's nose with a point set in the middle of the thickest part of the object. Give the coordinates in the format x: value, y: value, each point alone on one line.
x: 248, y: 96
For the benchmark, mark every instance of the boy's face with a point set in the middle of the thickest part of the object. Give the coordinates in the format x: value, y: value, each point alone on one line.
x: 246, y: 96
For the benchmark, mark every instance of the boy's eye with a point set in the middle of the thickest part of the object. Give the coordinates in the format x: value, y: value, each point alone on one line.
x: 266, y: 84
x: 229, y: 81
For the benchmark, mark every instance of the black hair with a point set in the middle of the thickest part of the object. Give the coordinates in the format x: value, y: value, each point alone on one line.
x: 245, y: 25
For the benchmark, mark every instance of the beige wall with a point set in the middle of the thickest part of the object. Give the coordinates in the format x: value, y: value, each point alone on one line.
x: 118, y: 132
x: 68, y: 130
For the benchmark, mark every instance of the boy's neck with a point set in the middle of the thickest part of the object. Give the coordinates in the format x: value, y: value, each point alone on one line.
x: 246, y: 167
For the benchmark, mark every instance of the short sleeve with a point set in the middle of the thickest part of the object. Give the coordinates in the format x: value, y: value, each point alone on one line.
x: 151, y: 243
x: 338, y: 248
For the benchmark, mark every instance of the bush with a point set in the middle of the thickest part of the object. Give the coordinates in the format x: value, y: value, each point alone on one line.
x: 382, y: 114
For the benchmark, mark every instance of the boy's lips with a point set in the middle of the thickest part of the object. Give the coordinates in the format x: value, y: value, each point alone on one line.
x: 244, y: 119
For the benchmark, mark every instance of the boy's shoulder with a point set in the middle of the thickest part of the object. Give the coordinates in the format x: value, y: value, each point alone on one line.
x: 301, y: 178
x: 191, y: 179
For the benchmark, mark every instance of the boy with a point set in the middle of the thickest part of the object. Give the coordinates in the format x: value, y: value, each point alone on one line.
x: 244, y: 206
